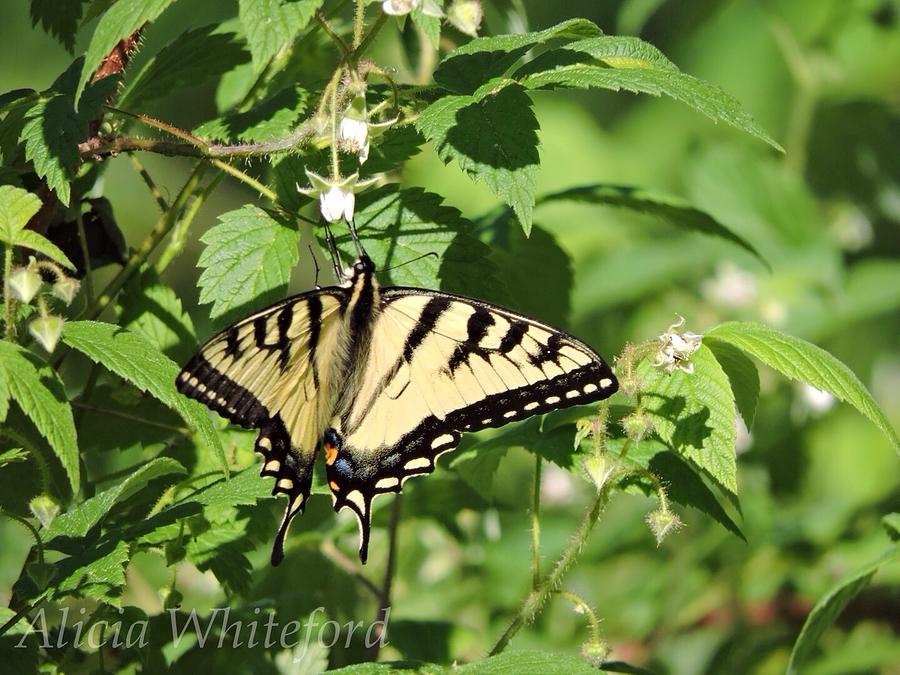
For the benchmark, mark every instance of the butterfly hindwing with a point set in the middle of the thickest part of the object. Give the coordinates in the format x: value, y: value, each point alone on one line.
x: 439, y: 365
x: 271, y: 372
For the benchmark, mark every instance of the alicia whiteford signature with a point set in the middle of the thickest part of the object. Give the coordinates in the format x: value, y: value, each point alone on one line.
x: 214, y: 631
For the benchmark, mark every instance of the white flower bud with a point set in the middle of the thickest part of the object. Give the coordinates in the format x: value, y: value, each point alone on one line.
x: 47, y: 330
x: 466, y: 16
x: 24, y: 283
x: 66, y: 288
x: 399, y: 7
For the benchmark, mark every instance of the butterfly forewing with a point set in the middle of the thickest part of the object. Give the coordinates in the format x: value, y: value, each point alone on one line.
x: 272, y: 372
x: 440, y: 365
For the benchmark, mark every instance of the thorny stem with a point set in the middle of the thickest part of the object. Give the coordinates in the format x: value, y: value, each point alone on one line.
x: 384, y: 597
x: 359, y: 23
x: 537, y: 597
x: 335, y: 156
x: 244, y: 178
x: 148, y: 180
x: 536, y: 525
x: 9, y: 303
x: 179, y: 232
x: 370, y: 36
x: 156, y: 235
x: 337, y: 39
x: 34, y: 533
x: 584, y: 607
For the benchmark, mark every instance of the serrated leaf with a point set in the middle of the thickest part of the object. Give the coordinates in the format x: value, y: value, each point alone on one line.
x: 118, y: 22
x: 59, y: 19
x: 133, y: 358
x: 398, y: 144
x: 674, y: 211
x: 397, y: 226
x: 245, y: 488
x: 151, y: 308
x: 694, y: 414
x: 54, y: 127
x: 891, y: 524
x: 39, y: 392
x: 193, y: 58
x: 96, y: 573
x: 468, y: 67
x: 616, y: 63
x: 268, y: 120
x: 830, y: 606
x: 430, y: 25
x: 36, y: 242
x: 741, y: 373
x: 17, y: 206
x: 493, y: 138
x: 272, y: 24
x: 91, y: 512
x: 248, y: 260
x: 477, y: 468
x: 801, y: 360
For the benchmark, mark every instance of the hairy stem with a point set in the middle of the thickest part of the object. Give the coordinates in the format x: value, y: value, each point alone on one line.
x: 537, y: 597
x: 244, y: 178
x: 359, y: 23
x: 9, y: 303
x: 536, y: 524
x: 370, y: 36
x: 86, y: 255
x: 180, y: 231
x: 148, y: 181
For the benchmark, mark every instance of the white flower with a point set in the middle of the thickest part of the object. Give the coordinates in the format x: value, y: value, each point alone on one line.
x: 815, y: 400
x: 404, y: 7
x: 355, y: 133
x: 399, y: 7
x: 731, y: 286
x: 337, y: 197
x: 677, y: 348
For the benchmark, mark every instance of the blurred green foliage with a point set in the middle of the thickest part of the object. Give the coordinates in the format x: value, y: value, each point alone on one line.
x: 814, y: 478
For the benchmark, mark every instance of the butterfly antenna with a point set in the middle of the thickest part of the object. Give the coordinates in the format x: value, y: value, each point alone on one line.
x: 430, y: 254
x: 316, y: 263
x: 335, y: 254
x: 360, y: 251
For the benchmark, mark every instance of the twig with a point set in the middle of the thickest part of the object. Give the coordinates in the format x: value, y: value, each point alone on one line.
x: 334, y: 554
x: 148, y: 180
x: 86, y: 255
x: 384, y: 596
x: 244, y: 178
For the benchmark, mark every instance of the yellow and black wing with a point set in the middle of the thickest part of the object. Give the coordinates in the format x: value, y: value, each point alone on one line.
x: 272, y: 371
x: 439, y: 365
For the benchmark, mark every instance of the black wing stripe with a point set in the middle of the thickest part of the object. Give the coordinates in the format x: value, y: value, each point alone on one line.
x: 428, y: 319
x: 314, y: 311
x: 476, y: 328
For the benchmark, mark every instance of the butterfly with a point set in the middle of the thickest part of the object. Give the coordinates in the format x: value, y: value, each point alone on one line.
x: 381, y: 381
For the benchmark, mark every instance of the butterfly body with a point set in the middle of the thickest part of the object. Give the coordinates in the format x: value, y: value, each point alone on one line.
x: 382, y: 381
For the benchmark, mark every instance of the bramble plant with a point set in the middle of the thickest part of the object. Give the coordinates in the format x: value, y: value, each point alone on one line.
x: 126, y: 504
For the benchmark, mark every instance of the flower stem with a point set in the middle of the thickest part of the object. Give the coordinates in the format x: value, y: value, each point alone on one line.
x: 536, y: 598
x: 335, y: 156
x: 367, y: 39
x: 359, y: 23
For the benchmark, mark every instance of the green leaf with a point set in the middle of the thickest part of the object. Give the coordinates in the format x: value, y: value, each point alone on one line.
x: 801, y: 360
x: 59, y: 19
x: 195, y: 57
x: 398, y: 226
x: 152, y: 309
x: 891, y: 524
x: 39, y: 392
x: 430, y: 25
x: 54, y: 127
x: 97, y: 573
x: 248, y: 260
x: 133, y: 358
x: 120, y: 21
x: 272, y: 24
x: 245, y: 488
x: 271, y: 119
x: 830, y: 606
x: 477, y: 468
x: 493, y: 137
x: 672, y: 210
x: 694, y: 414
x: 468, y: 67
x: 91, y: 512
x: 741, y: 373
x: 17, y: 206
x: 36, y: 242
x: 14, y: 454
x: 529, y: 663
x: 616, y: 63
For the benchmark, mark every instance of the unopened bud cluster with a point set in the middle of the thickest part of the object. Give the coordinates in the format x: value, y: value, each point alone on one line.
x: 26, y: 283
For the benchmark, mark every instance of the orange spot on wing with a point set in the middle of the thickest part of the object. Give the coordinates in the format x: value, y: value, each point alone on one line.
x: 334, y: 486
x: 330, y: 454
